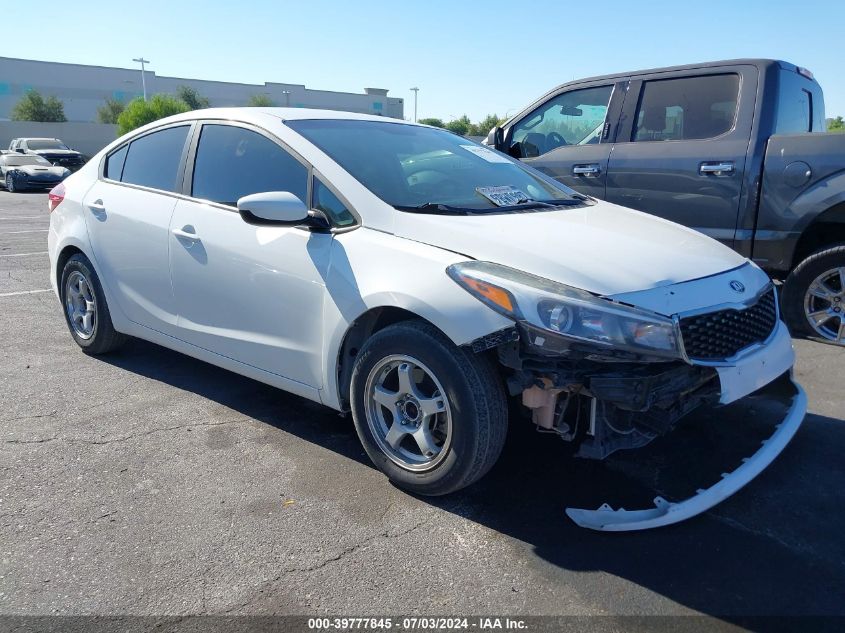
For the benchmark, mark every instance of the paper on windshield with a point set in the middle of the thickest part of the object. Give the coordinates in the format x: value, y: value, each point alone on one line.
x: 486, y: 153
x: 506, y: 196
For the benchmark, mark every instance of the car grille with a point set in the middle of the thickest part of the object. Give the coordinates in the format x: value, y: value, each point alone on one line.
x: 725, y: 333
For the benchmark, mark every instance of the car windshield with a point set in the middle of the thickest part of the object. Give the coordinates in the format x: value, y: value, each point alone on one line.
x: 431, y: 170
x: 17, y: 161
x: 46, y: 143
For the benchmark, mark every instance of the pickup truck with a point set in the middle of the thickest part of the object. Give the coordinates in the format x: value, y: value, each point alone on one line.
x: 52, y: 149
x: 735, y: 149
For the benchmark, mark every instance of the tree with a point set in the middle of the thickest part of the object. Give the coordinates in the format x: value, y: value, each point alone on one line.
x: 34, y: 107
x: 192, y: 98
x: 482, y: 128
x: 140, y: 112
x: 260, y: 101
x: 459, y: 126
x: 432, y: 122
x: 110, y: 111
x: 836, y: 125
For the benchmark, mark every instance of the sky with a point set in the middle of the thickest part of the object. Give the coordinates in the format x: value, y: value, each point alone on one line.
x: 472, y: 58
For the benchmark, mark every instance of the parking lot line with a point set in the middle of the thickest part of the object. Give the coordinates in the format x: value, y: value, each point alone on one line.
x: 24, y: 217
x: 28, y: 231
x: 24, y: 254
x: 23, y: 292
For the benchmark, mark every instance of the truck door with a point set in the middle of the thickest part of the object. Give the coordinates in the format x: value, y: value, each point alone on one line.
x: 680, y: 151
x: 568, y: 136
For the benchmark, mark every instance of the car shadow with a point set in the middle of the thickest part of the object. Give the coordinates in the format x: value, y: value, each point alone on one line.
x: 777, y: 548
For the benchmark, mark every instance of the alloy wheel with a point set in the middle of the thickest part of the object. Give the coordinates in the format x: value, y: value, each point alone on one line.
x: 81, y: 305
x: 824, y: 305
x: 408, y: 413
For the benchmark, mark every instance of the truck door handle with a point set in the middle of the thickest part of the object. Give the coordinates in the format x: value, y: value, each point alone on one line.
x: 186, y: 233
x: 586, y: 170
x: 726, y: 167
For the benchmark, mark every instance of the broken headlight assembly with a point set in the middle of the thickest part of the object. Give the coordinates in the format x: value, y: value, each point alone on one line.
x: 550, y: 310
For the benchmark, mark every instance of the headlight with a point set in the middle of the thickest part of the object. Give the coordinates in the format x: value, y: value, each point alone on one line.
x: 568, y: 312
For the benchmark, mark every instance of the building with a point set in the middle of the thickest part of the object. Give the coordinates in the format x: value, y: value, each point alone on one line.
x: 83, y: 89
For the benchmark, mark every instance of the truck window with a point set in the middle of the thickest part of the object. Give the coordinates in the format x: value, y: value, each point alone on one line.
x: 571, y: 118
x: 686, y: 108
x: 795, y: 104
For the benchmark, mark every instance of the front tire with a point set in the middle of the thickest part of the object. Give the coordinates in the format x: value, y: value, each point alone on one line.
x: 814, y: 296
x: 10, y: 184
x: 431, y: 416
x: 86, y: 311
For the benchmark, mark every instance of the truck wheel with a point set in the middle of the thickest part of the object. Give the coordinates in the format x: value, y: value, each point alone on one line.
x: 814, y: 295
x: 430, y: 415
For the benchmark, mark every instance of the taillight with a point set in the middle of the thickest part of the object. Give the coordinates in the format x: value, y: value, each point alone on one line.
x: 55, y: 197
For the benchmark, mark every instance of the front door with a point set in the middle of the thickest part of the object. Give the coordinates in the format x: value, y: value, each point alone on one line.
x: 251, y: 293
x: 568, y: 137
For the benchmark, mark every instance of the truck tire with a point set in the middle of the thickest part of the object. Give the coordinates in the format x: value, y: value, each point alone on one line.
x: 431, y: 416
x: 814, y: 296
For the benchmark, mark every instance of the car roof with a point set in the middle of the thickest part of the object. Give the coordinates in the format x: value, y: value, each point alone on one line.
x: 285, y: 114
x: 37, y: 138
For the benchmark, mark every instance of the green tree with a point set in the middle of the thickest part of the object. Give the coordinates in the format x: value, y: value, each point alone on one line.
x: 432, y: 122
x: 110, y: 111
x: 836, y: 125
x: 487, y: 124
x: 34, y: 107
x: 192, y: 98
x: 260, y: 101
x: 140, y: 112
x: 459, y: 126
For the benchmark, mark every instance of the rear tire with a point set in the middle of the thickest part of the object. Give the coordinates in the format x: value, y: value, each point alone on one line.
x: 86, y: 311
x: 451, y: 416
x: 814, y: 296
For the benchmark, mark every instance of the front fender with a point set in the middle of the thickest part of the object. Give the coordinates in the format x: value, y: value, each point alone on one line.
x: 370, y: 269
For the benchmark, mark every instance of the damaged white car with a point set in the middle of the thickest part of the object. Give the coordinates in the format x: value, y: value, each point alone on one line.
x: 419, y: 280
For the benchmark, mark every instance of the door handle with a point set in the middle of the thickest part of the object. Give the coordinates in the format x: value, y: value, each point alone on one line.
x: 97, y: 205
x: 586, y: 170
x: 186, y: 234
x: 725, y: 167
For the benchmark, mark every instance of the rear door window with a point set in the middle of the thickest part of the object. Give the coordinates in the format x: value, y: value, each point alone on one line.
x: 233, y: 162
x: 795, y: 105
x: 153, y: 160
x: 686, y: 108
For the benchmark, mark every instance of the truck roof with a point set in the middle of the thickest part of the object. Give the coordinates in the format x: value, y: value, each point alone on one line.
x: 759, y: 62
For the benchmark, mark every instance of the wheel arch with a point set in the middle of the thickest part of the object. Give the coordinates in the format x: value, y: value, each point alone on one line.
x: 362, y: 328
x: 826, y: 229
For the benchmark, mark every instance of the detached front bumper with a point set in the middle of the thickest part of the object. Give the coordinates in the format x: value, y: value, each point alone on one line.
x: 665, y: 512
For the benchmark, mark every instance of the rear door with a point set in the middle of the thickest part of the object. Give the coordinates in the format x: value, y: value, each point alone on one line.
x: 128, y: 212
x: 569, y: 135
x: 681, y: 148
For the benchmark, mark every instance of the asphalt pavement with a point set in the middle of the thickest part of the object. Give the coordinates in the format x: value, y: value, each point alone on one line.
x: 146, y: 482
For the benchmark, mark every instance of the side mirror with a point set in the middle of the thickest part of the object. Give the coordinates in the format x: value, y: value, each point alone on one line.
x: 494, y: 138
x: 273, y: 208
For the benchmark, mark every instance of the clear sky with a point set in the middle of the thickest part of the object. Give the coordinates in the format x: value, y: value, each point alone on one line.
x: 476, y: 58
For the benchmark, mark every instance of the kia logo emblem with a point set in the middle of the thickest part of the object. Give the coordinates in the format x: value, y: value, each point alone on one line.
x: 737, y: 285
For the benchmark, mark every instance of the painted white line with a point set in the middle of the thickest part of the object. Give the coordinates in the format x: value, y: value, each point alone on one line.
x: 32, y: 231
x: 23, y: 292
x: 24, y: 254
x: 25, y: 217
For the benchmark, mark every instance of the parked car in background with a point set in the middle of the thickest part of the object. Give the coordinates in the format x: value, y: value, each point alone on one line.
x: 735, y: 149
x: 52, y: 149
x: 417, y: 279
x: 29, y: 171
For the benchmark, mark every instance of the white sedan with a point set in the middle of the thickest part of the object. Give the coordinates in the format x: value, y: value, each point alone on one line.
x: 419, y: 280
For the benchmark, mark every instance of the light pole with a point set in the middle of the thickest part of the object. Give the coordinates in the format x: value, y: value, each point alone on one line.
x: 416, y: 92
x: 142, y: 61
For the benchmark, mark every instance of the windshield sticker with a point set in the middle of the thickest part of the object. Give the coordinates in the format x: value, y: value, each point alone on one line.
x: 486, y: 153
x: 506, y: 196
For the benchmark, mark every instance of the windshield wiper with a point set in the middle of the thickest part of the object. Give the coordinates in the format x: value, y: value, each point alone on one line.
x: 524, y: 205
x: 434, y: 207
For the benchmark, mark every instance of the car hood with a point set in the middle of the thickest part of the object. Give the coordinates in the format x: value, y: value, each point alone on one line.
x: 604, y: 248
x: 56, y: 152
